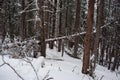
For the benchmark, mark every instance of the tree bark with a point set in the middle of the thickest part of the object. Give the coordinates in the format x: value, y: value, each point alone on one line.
x: 77, y: 21
x: 86, y: 56
x: 100, y: 22
x: 23, y: 24
x: 54, y: 22
x: 42, y: 29
x: 46, y: 14
x: 60, y: 28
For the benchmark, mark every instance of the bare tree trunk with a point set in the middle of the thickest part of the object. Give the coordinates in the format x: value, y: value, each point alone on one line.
x: 115, y: 59
x: 54, y: 22
x: 100, y: 22
x: 2, y: 32
x: 46, y: 14
x: 102, y: 52
x: 86, y: 56
x: 60, y: 28
x: 77, y: 21
x: 66, y: 21
x: 109, y: 58
x: 42, y: 29
x: 50, y: 24
x: 23, y: 24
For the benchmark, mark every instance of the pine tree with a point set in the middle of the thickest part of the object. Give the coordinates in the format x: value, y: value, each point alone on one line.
x: 60, y: 27
x: 23, y: 24
x: 53, y: 26
x: 86, y: 56
x: 77, y: 21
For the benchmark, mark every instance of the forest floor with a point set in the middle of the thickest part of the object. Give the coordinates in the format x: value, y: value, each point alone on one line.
x: 54, y: 67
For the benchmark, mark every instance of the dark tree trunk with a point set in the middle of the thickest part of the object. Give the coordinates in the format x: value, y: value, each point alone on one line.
x: 102, y: 52
x: 100, y: 22
x: 60, y: 28
x: 23, y: 24
x: 110, y: 56
x: 115, y: 59
x: 53, y: 27
x: 42, y: 29
x: 77, y: 21
x: 46, y: 14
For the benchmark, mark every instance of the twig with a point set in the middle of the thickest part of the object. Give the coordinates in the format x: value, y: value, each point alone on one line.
x: 50, y: 78
x: 26, y: 7
x: 32, y: 68
x: 74, y: 68
x: 101, y: 77
x: 11, y: 68
x: 83, y: 76
x: 2, y: 64
x: 46, y: 75
x: 14, y: 70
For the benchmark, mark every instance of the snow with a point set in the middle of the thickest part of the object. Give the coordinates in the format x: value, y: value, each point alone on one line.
x: 54, y: 67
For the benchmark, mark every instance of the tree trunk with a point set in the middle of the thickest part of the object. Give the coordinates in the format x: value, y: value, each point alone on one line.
x: 42, y: 29
x: 100, y: 22
x: 54, y: 22
x: 86, y: 56
x: 46, y: 14
x: 77, y: 21
x: 60, y: 28
x: 23, y: 24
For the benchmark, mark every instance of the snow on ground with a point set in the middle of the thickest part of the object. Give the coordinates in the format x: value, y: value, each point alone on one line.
x: 54, y: 67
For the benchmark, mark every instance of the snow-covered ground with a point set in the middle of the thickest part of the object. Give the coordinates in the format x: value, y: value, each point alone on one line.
x: 54, y: 67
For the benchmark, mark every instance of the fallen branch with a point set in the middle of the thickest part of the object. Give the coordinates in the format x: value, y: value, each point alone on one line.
x: 65, y: 37
x: 55, y: 59
x: 77, y: 34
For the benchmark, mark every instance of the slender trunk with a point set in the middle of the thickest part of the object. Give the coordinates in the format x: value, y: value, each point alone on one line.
x: 46, y: 14
x: 77, y: 21
x: 42, y: 29
x: 100, y: 22
x: 115, y: 59
x: 110, y: 58
x: 23, y: 24
x: 60, y: 28
x: 54, y: 22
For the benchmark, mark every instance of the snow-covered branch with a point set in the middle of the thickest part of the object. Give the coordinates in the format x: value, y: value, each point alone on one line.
x: 108, y: 23
x: 27, y: 7
x: 65, y: 37
x: 37, y: 19
x: 35, y: 9
x: 77, y: 34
